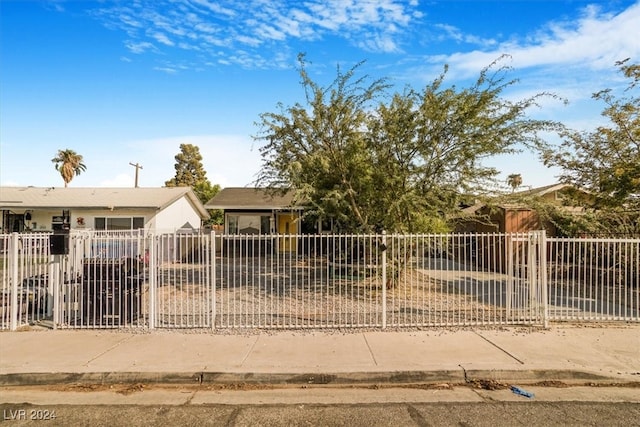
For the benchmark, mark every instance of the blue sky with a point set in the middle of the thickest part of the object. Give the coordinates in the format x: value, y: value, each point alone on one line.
x: 129, y: 81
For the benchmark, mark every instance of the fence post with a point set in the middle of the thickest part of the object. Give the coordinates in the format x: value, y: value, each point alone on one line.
x: 543, y: 279
x: 152, y: 281
x: 383, y: 247
x: 510, y: 272
x: 55, y: 278
x: 13, y: 270
x: 212, y: 259
x: 51, y: 307
x: 532, y: 275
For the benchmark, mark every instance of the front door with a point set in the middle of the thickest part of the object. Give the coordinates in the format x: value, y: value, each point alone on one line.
x: 288, y: 225
x: 12, y: 222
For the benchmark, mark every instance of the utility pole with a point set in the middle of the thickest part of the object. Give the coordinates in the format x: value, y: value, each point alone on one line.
x: 138, y: 167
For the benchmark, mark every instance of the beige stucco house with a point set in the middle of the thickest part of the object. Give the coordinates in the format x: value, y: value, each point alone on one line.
x: 155, y: 209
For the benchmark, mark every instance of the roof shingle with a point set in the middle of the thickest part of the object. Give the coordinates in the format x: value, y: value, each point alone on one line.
x: 95, y: 198
x: 250, y: 198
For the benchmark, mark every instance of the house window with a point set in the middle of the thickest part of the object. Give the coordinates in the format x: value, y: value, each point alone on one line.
x: 248, y: 224
x: 232, y: 221
x: 118, y: 223
x: 138, y: 222
x: 13, y: 223
x: 265, y: 224
x: 326, y: 226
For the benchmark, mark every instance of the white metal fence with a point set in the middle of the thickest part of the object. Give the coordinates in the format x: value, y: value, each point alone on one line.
x: 594, y: 279
x: 24, y: 295
x: 299, y: 281
x: 194, y: 280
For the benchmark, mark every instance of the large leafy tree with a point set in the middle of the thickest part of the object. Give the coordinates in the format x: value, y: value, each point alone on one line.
x: 69, y: 164
x: 403, y: 165
x: 189, y: 168
x: 606, y: 161
x: 190, y: 173
x: 319, y: 150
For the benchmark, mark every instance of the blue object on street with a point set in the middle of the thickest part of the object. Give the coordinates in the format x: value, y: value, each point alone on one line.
x: 521, y: 392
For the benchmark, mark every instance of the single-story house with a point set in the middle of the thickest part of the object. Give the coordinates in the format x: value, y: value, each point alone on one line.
x: 44, y: 209
x: 515, y: 215
x: 501, y: 218
x: 560, y: 195
x: 264, y: 211
x: 257, y: 211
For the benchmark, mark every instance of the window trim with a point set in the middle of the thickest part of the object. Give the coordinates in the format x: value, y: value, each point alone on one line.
x: 259, y: 215
x: 105, y: 222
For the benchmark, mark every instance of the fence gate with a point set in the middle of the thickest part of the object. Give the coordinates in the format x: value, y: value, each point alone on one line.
x: 465, y: 279
x: 103, y: 281
x: 298, y: 281
x: 526, y: 294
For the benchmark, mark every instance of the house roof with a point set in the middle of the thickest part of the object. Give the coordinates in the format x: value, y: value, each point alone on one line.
x: 96, y: 198
x: 514, y: 201
x: 250, y: 199
x: 541, y: 191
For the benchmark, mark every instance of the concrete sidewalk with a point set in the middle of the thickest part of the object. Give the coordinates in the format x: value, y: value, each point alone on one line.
x: 572, y: 354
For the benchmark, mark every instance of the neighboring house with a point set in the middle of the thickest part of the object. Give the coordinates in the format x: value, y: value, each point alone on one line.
x: 503, y: 218
x: 257, y: 211
x: 156, y: 209
x: 512, y: 213
x: 516, y: 215
x: 560, y: 195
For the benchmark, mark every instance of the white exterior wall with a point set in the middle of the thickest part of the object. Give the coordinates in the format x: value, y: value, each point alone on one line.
x: 176, y: 215
x: 90, y: 215
x: 171, y: 218
x: 42, y: 218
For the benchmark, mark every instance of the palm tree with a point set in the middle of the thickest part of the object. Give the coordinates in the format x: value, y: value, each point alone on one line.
x: 514, y: 180
x: 69, y: 164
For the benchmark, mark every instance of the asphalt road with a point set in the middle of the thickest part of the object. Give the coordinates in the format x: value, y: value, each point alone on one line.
x: 140, y: 405
x: 389, y: 414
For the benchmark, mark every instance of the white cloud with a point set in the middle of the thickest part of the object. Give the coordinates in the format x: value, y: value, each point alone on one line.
x: 215, y: 7
x: 267, y: 32
x: 162, y: 38
x: 454, y: 33
x: 139, y: 47
x: 572, y: 59
x: 56, y: 5
x: 380, y: 44
x: 267, y: 27
x: 130, y: 21
x: 167, y: 70
x: 205, y: 28
x: 250, y: 41
x: 595, y: 42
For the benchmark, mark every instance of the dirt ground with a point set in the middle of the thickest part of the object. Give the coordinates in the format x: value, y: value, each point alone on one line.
x: 482, y: 384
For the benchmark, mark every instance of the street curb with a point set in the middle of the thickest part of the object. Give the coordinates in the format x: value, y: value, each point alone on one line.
x: 301, y: 379
x: 533, y: 376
